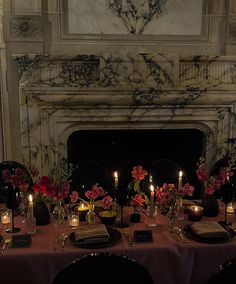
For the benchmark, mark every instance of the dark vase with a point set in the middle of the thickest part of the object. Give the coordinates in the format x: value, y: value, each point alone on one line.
x: 41, y: 213
x: 135, y: 218
x: 12, y: 197
x: 210, y: 205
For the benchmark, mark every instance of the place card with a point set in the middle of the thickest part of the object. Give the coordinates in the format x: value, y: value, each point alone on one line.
x: 142, y: 236
x: 21, y: 241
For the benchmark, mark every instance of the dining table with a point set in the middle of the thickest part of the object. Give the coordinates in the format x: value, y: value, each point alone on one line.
x: 169, y: 259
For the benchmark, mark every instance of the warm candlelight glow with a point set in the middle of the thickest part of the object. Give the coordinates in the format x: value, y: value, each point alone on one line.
x: 30, y: 198
x: 180, y: 181
x: 74, y: 221
x: 5, y: 218
x: 151, y: 200
x: 116, y: 179
x: 195, y: 212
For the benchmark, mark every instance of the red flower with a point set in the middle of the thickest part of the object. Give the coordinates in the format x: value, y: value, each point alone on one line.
x: 139, y: 173
x: 137, y: 200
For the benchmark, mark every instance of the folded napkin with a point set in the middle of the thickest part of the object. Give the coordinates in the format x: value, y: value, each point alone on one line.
x: 209, y: 229
x: 95, y: 233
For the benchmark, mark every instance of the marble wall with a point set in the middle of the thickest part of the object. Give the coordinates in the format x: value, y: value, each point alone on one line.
x: 67, y: 72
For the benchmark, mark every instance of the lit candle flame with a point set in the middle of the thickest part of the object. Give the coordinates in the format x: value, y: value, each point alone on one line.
x: 180, y: 174
x: 151, y: 187
x: 30, y: 198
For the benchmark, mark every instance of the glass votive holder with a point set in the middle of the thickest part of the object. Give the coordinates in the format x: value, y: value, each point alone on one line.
x: 195, y: 213
x: 73, y: 220
x: 83, y: 209
x: 31, y: 225
x: 6, y: 217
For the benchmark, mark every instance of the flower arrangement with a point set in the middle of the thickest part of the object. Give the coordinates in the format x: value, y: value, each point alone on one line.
x: 212, y: 183
x: 136, y: 194
x: 167, y: 195
x: 92, y: 196
x: 18, y: 178
x: 56, y: 186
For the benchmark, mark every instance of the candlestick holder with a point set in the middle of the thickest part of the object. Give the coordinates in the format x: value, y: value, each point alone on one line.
x: 13, y: 229
x: 121, y: 197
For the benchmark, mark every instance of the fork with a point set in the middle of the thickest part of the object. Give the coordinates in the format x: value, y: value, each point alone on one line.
x: 179, y: 232
x: 6, y: 242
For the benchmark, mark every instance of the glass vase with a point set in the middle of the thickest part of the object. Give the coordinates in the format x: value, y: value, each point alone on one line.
x: 59, y: 213
x: 91, y: 216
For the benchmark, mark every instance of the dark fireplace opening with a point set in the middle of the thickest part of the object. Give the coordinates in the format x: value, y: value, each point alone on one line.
x: 96, y: 154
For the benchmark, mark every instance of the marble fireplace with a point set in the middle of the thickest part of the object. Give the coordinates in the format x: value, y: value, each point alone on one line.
x: 61, y: 96
x: 166, y: 66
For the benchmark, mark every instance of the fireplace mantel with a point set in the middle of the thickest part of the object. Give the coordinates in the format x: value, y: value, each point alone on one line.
x: 147, y: 91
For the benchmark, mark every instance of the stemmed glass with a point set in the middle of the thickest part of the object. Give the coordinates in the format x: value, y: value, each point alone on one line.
x: 226, y: 196
x: 12, y: 202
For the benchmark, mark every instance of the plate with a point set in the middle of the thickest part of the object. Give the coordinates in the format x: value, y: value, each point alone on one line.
x: 115, y: 236
x: 191, y: 235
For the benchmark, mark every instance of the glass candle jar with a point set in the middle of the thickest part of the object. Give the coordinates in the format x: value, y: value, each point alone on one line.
x: 195, y: 213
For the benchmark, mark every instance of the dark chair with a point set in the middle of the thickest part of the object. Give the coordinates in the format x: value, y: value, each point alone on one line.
x: 11, y: 166
x: 104, y: 268
x: 226, y: 273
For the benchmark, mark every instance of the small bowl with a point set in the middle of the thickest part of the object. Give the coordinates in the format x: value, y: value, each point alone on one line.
x: 107, y: 217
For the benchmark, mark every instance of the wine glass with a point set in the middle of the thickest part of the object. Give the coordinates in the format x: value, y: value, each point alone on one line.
x: 12, y: 202
x: 226, y: 196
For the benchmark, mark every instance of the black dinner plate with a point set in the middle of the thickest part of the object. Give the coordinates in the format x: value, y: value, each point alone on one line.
x: 114, y: 234
x: 189, y: 233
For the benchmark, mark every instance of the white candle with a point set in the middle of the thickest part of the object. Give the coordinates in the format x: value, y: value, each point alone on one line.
x: 180, y: 181
x: 74, y: 221
x: 116, y: 179
x: 151, y: 200
x: 30, y: 213
x: 5, y: 218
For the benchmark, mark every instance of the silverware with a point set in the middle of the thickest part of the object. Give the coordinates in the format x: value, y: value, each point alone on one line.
x: 180, y: 233
x: 5, y: 243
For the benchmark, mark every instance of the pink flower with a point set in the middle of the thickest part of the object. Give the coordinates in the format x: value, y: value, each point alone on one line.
x: 137, y: 200
x: 74, y: 196
x: 187, y: 189
x: 106, y: 202
x: 139, y: 173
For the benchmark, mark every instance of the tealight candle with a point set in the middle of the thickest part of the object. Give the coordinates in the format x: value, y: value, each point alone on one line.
x: 195, y: 212
x: 74, y: 221
x: 5, y: 218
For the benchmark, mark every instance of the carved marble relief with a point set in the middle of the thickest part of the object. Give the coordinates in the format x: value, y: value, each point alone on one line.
x: 136, y: 16
x: 27, y: 27
x: 133, y: 17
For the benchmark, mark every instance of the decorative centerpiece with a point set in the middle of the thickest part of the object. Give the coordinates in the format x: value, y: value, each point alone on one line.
x: 210, y: 184
x: 137, y: 196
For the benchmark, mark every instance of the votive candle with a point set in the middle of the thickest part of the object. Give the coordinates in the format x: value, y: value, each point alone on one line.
x: 74, y: 221
x: 5, y: 218
x: 195, y: 212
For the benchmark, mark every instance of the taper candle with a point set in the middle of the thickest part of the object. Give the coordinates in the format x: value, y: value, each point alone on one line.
x: 180, y: 181
x: 151, y: 200
x: 116, y: 179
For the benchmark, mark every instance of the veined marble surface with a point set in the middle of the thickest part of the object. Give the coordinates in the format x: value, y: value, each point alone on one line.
x: 165, y: 17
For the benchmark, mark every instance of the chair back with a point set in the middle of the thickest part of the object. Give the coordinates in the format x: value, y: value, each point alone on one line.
x: 104, y: 268
x: 225, y: 273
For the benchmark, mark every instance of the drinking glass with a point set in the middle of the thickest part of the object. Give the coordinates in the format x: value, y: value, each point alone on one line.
x: 226, y: 196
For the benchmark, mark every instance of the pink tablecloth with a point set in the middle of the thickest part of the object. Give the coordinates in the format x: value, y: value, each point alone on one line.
x: 168, y: 261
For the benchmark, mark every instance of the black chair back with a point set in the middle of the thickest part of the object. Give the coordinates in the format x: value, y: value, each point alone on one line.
x: 226, y: 273
x: 104, y: 268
